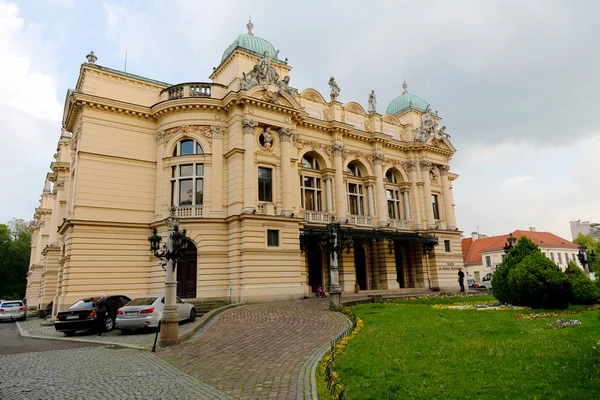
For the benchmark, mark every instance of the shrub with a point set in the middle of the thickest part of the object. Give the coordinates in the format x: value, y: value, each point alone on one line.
x: 537, y: 282
x: 500, y: 287
x: 583, y: 289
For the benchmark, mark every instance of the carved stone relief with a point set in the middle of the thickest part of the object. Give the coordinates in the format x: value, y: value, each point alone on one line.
x: 217, y: 131
x: 188, y: 131
x: 314, y: 145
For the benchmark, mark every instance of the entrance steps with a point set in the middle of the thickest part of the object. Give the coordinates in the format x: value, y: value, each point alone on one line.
x: 205, y: 305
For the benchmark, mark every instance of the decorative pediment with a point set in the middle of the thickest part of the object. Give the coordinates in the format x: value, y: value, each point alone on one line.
x: 355, y: 108
x: 391, y: 119
x: 312, y: 95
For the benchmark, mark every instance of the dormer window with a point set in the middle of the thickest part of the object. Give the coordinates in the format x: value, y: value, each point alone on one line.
x: 353, y: 170
x: 187, y: 147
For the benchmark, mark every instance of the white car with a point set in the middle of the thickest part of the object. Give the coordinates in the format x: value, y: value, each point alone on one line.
x: 486, y: 281
x: 146, y: 312
x: 12, y: 310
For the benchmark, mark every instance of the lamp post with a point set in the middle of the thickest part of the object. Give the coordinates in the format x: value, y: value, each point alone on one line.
x: 169, y: 254
x: 586, y: 259
x: 335, y: 245
x: 510, y: 243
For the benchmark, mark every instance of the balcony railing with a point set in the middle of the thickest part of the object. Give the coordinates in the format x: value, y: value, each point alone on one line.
x: 399, y: 224
x: 188, y: 211
x: 361, y: 220
x: 317, y: 217
x: 193, y: 89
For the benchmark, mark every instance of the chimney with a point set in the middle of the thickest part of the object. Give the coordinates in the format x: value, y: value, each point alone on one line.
x: 474, y: 235
x: 532, y: 228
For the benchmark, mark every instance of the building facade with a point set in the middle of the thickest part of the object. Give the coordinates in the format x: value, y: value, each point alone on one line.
x: 585, y: 228
x: 255, y: 170
x: 483, y: 254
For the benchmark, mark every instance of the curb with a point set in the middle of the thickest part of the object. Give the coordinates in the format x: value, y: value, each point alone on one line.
x: 24, y: 333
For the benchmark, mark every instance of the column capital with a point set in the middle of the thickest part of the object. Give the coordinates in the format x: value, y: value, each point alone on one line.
x: 338, y: 148
x: 217, y: 131
x: 285, y: 134
x: 409, y: 166
x: 160, y: 137
x: 378, y: 157
x: 444, y: 169
x: 425, y: 163
x: 248, y: 126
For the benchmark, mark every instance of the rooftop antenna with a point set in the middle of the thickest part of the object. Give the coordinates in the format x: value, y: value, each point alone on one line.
x: 125, y: 60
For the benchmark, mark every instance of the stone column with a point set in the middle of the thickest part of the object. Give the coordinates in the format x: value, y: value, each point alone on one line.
x: 448, y: 200
x: 425, y: 168
x: 370, y: 196
x: 248, y: 126
x: 340, y: 192
x: 405, y: 197
x: 329, y: 193
x: 286, y: 170
x: 217, y: 171
x: 415, y: 207
x: 381, y: 199
x: 160, y: 151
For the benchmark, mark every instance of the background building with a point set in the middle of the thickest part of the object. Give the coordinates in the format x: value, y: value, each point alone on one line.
x: 255, y: 170
x: 483, y: 254
x: 586, y: 228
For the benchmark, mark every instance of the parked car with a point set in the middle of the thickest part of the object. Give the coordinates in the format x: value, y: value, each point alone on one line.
x: 486, y: 281
x: 11, y: 310
x: 82, y: 316
x: 146, y: 312
x: 471, y: 283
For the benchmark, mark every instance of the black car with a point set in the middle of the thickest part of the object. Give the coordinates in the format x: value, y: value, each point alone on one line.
x: 82, y: 316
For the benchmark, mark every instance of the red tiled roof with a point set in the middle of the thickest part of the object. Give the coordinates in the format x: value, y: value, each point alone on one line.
x: 472, y: 255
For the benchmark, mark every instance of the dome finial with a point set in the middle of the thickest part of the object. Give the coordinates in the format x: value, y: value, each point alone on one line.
x: 250, y: 25
x: 404, y: 87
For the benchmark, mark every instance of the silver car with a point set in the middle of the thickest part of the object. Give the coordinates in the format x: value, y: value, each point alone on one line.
x: 11, y: 310
x: 146, y: 312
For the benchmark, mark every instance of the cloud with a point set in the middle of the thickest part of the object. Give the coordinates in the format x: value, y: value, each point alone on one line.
x: 517, y: 181
x: 30, y: 113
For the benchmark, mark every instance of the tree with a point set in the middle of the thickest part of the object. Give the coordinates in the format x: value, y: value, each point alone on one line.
x: 500, y: 285
x: 583, y: 289
x: 15, y: 251
x: 592, y: 245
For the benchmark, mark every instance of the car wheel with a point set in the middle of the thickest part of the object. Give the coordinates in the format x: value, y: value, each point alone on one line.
x: 192, y: 315
x: 109, y: 324
x: 69, y: 333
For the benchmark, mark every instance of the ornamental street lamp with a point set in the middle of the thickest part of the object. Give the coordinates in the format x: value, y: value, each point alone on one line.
x: 510, y: 243
x: 586, y: 259
x: 335, y: 244
x: 169, y: 254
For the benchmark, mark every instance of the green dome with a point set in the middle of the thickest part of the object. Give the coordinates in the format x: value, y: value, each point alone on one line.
x: 251, y: 43
x: 406, y: 101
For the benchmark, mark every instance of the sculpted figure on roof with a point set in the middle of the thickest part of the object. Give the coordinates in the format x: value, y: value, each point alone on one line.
x: 372, y: 102
x: 335, y: 89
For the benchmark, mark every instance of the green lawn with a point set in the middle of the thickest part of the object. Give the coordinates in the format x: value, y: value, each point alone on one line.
x: 409, y: 350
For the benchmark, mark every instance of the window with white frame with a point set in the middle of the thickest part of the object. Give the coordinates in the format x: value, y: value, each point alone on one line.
x: 355, y: 189
x: 187, y: 147
x: 187, y: 185
x: 552, y: 256
x: 488, y: 261
x: 559, y: 258
x: 311, y: 188
x: 393, y: 203
x: 566, y: 258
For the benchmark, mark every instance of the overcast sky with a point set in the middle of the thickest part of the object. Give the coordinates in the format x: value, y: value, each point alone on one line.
x: 517, y: 83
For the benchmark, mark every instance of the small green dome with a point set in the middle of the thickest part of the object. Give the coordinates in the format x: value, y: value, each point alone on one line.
x: 251, y: 43
x: 405, y: 101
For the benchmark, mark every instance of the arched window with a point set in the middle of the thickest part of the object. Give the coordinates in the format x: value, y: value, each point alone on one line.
x: 187, y: 147
x: 187, y: 185
x: 391, y: 177
x: 356, y: 192
x: 311, y: 187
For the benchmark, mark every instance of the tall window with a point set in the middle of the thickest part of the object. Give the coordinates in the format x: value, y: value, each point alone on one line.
x: 356, y: 197
x: 552, y: 256
x: 447, y: 246
x: 436, y: 206
x: 393, y: 203
x: 559, y: 258
x: 311, y: 189
x: 488, y: 261
x: 265, y: 184
x: 566, y: 258
x: 187, y: 185
x: 187, y: 147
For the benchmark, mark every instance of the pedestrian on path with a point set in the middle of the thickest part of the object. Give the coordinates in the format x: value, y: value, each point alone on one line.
x: 461, y: 279
x: 101, y: 311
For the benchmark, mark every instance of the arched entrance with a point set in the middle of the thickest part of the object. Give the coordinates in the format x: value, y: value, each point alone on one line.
x: 187, y: 273
x: 399, y: 265
x: 360, y: 265
x: 315, y: 265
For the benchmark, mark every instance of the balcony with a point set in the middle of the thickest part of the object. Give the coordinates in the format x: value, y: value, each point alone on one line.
x: 360, y: 220
x: 317, y: 217
x: 193, y: 90
x: 399, y: 224
x: 188, y: 211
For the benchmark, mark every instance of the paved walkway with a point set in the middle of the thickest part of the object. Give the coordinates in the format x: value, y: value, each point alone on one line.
x: 261, y: 351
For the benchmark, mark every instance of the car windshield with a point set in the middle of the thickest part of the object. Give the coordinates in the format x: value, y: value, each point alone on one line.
x: 11, y: 304
x: 82, y: 304
x: 142, y: 301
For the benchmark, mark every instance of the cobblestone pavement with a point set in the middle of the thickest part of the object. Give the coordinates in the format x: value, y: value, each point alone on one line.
x: 140, y: 339
x: 12, y: 342
x: 97, y: 373
x: 260, y: 351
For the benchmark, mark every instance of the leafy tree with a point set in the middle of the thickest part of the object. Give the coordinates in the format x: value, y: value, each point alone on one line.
x: 500, y: 285
x: 583, y: 289
x: 15, y: 251
x: 538, y: 282
x: 592, y: 245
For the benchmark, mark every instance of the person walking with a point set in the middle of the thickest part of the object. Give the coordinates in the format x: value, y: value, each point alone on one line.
x: 101, y: 311
x: 461, y: 279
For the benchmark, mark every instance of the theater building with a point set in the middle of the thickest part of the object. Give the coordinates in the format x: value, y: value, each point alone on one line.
x: 255, y: 169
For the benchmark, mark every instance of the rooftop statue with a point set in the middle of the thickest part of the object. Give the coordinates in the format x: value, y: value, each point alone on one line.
x: 429, y: 127
x: 335, y: 89
x: 262, y: 74
x: 372, y: 102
